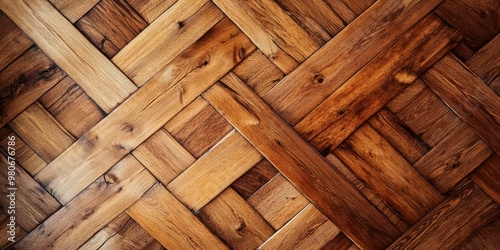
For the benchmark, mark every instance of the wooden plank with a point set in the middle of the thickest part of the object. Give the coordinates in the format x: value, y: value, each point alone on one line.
x: 486, y: 238
x: 146, y: 111
x: 377, y: 83
x: 388, y: 174
x: 95, y: 207
x: 163, y: 156
x: 457, y: 155
x: 69, y: 49
x: 468, y: 96
x: 25, y: 156
x: 101, y: 42
x: 299, y: 163
x: 116, y: 20
x: 342, y: 10
x: 278, y: 201
x: 106, y: 232
x: 150, y: 10
x: 272, y: 30
x: 258, y: 72
x: 400, y: 137
x: 254, y: 179
x: 198, y: 127
x: 406, y: 96
x: 170, y: 223
x: 308, y: 230
x: 42, y: 132
x: 185, y: 21
x: 215, y: 171
x: 24, y: 81
x: 28, y: 213
x: 340, y: 242
x: 331, y: 66
x: 447, y: 226
x: 73, y: 9
x: 487, y: 175
x: 13, y: 42
x: 485, y: 63
x: 5, y: 243
x: 236, y: 222
x: 428, y: 117
x: 71, y: 100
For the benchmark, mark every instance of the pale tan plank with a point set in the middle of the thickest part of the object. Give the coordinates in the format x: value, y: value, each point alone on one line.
x: 449, y: 225
x: 74, y: 9
x: 278, y: 201
x: 69, y: 49
x: 236, y: 222
x: 170, y: 223
x: 163, y: 156
x: 150, y: 10
x: 131, y: 236
x: 146, y: 111
x: 185, y: 21
x: 310, y: 229
x: 272, y: 30
x: 332, y: 65
x: 107, y: 232
x: 215, y: 171
x: 94, y: 208
x: 42, y: 132
x: 468, y: 96
x: 301, y: 164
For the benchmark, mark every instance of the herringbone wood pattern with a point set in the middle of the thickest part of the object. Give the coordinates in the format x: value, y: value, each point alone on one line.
x: 271, y: 124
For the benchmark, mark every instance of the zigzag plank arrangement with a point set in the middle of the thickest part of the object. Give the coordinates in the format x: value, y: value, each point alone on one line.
x: 266, y: 124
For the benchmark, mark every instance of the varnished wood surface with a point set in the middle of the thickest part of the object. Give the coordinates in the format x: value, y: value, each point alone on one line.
x: 266, y: 124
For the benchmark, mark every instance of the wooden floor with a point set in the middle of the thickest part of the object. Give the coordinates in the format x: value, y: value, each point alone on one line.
x: 270, y: 124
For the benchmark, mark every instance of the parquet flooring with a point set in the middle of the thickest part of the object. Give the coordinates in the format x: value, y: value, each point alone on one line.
x: 264, y: 124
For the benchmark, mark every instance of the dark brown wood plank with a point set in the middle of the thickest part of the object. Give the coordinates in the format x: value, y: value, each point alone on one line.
x: 254, y: 179
x: 340, y: 242
x: 449, y: 225
x: 468, y: 96
x: 486, y: 62
x: 331, y: 66
x: 377, y: 83
x: 101, y: 42
x: 486, y: 238
x: 301, y: 164
x: 487, y: 176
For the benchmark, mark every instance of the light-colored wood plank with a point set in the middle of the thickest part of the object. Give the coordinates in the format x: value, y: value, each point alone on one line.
x: 24, y: 81
x: 185, y: 21
x: 215, y: 171
x: 468, y: 96
x: 332, y: 65
x: 25, y: 156
x: 278, y: 201
x: 299, y: 163
x: 457, y: 155
x: 487, y: 176
x: 74, y: 9
x: 95, y: 207
x: 13, y: 42
x: 27, y: 212
x: 377, y: 83
x: 163, y: 156
x: 388, y: 174
x: 150, y: 10
x: 106, y: 232
x: 272, y: 30
x: 42, y: 132
x: 452, y: 222
x: 236, y: 222
x: 170, y: 223
x: 146, y: 111
x: 69, y: 49
x: 308, y: 230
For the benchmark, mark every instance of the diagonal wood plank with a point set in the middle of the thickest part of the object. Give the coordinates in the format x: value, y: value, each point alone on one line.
x: 69, y: 49
x: 146, y: 111
x: 468, y: 96
x: 301, y: 164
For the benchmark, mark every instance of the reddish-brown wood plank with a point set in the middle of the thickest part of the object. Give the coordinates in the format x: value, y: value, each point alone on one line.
x: 485, y: 64
x: 468, y: 96
x: 13, y: 43
x: 447, y: 226
x: 487, y: 176
x: 301, y: 164
x: 332, y: 65
x: 254, y: 179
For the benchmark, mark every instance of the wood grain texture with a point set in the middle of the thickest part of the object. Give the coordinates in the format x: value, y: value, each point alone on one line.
x: 229, y: 210
x: 465, y: 211
x: 173, y: 225
x: 73, y: 9
x: 150, y: 10
x: 71, y: 51
x: 468, y: 96
x: 330, y: 67
x: 254, y: 179
x: 13, y: 42
x: 297, y: 161
x: 172, y: 90
x: 486, y: 177
x: 25, y: 156
x: 214, y: 172
x: 95, y: 207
